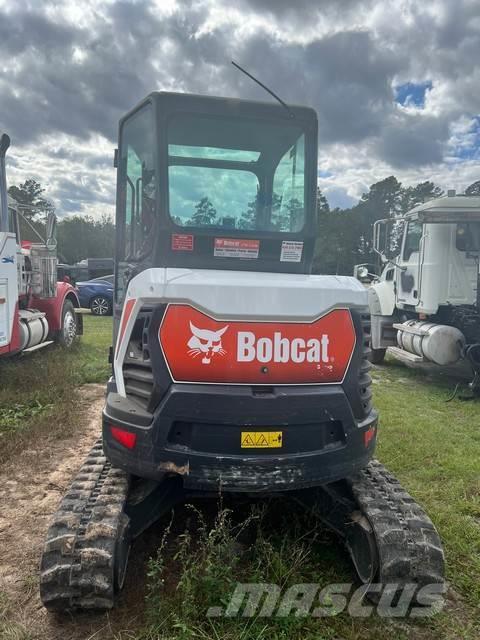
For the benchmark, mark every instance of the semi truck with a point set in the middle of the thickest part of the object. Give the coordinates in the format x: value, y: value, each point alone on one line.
x: 35, y: 309
x: 425, y: 304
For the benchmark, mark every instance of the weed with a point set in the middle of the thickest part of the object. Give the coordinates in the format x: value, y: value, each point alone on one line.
x: 207, y: 559
x: 432, y: 446
x: 9, y: 628
x: 38, y: 390
x: 18, y: 414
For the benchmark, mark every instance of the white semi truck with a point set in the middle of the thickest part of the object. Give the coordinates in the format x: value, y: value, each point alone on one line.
x: 425, y: 305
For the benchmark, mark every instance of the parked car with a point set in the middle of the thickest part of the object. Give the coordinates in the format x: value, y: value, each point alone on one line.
x: 97, y: 295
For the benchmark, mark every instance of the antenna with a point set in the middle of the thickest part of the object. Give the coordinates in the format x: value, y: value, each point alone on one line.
x: 284, y: 104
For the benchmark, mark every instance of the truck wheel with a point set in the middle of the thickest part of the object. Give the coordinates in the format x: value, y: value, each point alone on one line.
x: 100, y: 306
x: 378, y: 356
x: 68, y: 331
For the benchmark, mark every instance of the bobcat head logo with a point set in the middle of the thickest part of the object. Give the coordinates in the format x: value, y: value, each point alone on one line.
x: 205, y: 343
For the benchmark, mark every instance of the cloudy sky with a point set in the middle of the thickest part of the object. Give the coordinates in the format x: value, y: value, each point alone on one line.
x: 396, y: 84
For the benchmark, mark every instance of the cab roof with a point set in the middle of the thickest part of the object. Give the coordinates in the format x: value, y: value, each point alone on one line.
x: 231, y: 106
x: 447, y: 209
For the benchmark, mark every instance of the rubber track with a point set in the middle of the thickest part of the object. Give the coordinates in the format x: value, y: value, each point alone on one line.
x: 77, y: 565
x: 409, y: 547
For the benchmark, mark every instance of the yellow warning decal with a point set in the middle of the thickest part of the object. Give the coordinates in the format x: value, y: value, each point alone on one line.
x: 261, y: 439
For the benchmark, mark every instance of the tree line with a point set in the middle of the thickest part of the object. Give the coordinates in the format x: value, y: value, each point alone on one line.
x: 78, y: 236
x: 344, y: 235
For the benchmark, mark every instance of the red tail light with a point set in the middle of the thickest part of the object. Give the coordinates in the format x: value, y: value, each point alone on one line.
x: 369, y: 435
x: 127, y: 438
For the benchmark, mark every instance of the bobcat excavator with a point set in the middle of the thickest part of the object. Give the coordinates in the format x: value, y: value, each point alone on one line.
x: 234, y: 368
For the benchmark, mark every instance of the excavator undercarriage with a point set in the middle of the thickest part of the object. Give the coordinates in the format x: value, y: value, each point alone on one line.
x: 390, y: 538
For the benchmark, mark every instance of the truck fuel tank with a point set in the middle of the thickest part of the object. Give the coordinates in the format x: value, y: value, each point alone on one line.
x: 437, y: 343
x: 33, y: 328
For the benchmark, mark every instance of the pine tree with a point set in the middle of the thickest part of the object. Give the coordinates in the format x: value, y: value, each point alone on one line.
x: 29, y: 194
x: 205, y: 213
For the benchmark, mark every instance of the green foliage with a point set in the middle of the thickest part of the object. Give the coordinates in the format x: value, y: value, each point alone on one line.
x: 436, y: 460
x: 423, y: 191
x: 205, y: 213
x: 209, y: 558
x: 78, y: 236
x: 207, y: 561
x: 81, y: 237
x: 38, y: 390
x: 16, y: 415
x: 433, y: 447
x: 30, y: 195
x: 250, y: 218
x: 345, y: 236
x: 322, y: 203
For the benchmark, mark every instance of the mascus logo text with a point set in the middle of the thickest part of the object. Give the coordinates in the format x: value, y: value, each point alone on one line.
x: 198, y: 348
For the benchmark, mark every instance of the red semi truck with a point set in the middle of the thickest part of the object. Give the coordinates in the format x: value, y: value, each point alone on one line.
x: 35, y: 309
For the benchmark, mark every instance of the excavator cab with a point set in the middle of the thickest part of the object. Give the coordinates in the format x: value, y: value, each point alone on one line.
x: 215, y: 183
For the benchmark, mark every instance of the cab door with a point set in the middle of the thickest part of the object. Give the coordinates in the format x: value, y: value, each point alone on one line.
x: 409, y: 275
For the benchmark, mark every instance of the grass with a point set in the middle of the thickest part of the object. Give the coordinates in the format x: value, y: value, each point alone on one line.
x: 434, y: 449
x: 10, y: 630
x: 37, y: 391
x: 432, y: 446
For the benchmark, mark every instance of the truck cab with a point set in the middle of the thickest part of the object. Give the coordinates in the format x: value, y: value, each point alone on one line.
x: 435, y: 275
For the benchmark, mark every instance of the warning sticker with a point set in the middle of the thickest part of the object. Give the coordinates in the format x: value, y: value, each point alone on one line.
x: 261, y: 439
x: 236, y: 248
x: 291, y: 251
x: 182, y: 242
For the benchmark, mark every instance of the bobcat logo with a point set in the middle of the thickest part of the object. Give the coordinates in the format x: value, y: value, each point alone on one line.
x: 206, y: 343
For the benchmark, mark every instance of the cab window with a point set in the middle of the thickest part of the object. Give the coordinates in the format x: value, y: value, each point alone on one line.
x: 468, y: 236
x: 289, y: 189
x: 13, y: 223
x: 236, y: 173
x: 412, y: 239
x: 137, y: 186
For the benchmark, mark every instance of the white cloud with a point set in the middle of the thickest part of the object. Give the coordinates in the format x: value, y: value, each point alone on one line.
x: 70, y: 70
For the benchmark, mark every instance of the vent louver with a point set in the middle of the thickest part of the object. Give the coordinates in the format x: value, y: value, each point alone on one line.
x: 137, y: 367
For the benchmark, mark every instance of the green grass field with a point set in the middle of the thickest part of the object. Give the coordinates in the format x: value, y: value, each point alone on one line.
x: 37, y: 390
x: 434, y: 449
x: 432, y: 446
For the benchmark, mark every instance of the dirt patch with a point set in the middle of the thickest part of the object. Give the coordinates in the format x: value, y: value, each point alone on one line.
x: 31, y: 486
